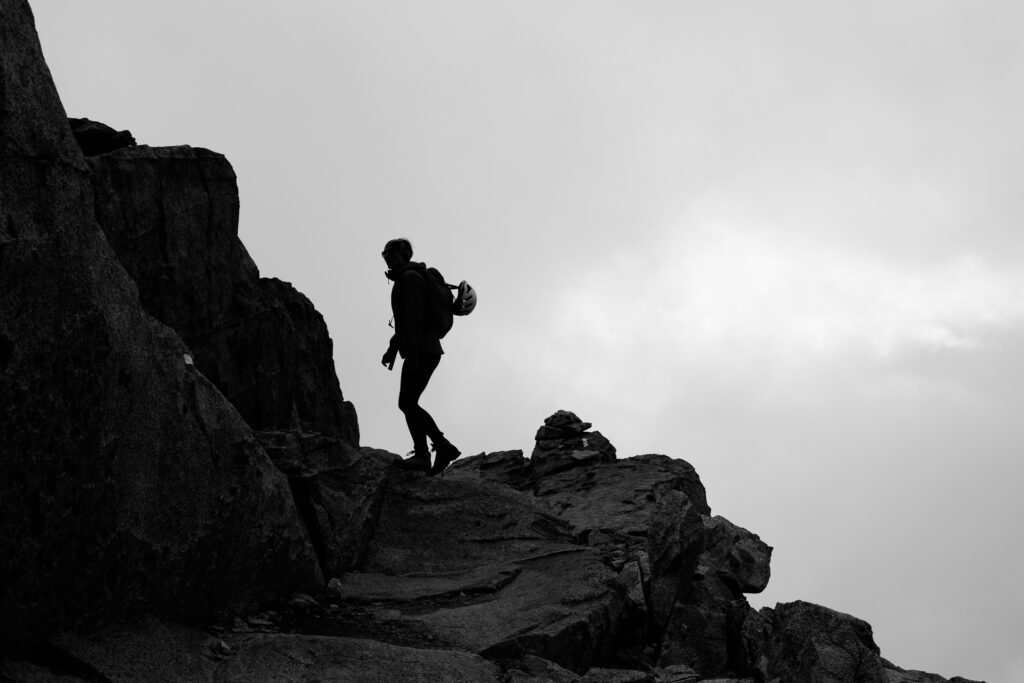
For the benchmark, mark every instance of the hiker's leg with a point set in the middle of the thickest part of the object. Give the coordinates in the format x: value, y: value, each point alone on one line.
x: 415, y: 377
x: 431, y: 360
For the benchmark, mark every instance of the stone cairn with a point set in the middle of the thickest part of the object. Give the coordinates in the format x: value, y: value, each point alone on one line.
x: 563, y: 442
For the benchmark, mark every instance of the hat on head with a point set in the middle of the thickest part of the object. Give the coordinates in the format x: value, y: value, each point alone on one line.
x: 399, y: 244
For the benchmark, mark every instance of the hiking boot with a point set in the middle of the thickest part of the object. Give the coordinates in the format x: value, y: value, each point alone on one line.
x: 444, y: 454
x: 419, y: 462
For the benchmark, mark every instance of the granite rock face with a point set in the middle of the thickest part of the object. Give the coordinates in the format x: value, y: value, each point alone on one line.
x: 807, y: 642
x: 127, y: 481
x: 508, y: 581
x: 171, y: 215
x: 647, y: 516
x: 338, y: 490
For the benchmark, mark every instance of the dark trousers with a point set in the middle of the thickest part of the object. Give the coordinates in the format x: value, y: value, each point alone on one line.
x: 415, y: 377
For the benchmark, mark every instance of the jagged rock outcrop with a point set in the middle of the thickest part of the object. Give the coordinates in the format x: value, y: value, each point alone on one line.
x: 338, y: 490
x: 509, y: 580
x: 807, y: 642
x: 127, y: 481
x: 171, y: 215
x: 134, y: 495
x: 98, y: 138
x: 706, y: 626
x: 645, y: 513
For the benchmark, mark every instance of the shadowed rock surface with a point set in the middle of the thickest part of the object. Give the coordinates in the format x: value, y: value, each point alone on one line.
x: 127, y: 482
x: 806, y: 642
x: 171, y: 214
x: 98, y: 138
x: 508, y: 581
x: 338, y: 490
x: 156, y: 651
x: 134, y: 495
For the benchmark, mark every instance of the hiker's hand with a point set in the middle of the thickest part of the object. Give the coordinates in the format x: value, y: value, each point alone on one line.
x: 388, y: 360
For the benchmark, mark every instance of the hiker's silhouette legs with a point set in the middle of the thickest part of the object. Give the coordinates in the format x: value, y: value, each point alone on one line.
x: 415, y: 377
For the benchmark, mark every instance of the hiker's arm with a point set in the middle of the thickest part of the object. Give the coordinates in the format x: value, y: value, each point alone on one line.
x: 390, y: 355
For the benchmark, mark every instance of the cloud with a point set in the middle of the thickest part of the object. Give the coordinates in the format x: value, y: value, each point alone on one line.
x: 738, y: 299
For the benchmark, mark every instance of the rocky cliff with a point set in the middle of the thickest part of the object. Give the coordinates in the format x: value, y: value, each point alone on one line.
x: 171, y: 216
x: 183, y: 496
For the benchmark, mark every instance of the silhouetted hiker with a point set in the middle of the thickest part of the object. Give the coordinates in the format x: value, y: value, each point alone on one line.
x: 418, y: 341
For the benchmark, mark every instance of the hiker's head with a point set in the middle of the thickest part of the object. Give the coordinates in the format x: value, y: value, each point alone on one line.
x: 397, y: 251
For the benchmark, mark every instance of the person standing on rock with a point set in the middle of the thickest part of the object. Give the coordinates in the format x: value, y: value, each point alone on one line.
x: 419, y: 344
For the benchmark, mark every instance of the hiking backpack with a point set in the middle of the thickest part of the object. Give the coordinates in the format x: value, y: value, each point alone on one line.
x: 443, y: 304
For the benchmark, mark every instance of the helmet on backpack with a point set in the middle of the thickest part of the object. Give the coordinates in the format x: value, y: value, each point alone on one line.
x: 465, y: 299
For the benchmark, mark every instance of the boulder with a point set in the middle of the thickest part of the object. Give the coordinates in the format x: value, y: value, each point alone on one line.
x: 739, y: 557
x: 801, y: 641
x: 127, y: 482
x: 509, y: 583
x: 647, y: 508
x: 646, y: 515
x: 338, y: 490
x: 706, y: 626
x: 171, y: 215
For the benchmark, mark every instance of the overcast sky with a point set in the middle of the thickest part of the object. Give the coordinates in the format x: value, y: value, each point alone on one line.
x: 781, y: 241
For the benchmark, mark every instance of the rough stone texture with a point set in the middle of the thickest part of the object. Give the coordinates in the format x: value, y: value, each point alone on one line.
x: 706, y: 627
x: 127, y: 482
x: 171, y: 214
x: 682, y: 572
x: 509, y: 582
x: 373, y: 587
x: 675, y: 540
x: 156, y: 651
x: 617, y: 495
x: 533, y: 669
x: 476, y: 523
x: 706, y: 630
x: 898, y: 675
x: 560, y: 606
x: 319, y: 658
x: 602, y: 675
x: 647, y: 515
x: 98, y: 138
x: 337, y: 489
x: 677, y: 673
x: 503, y: 467
x: 800, y: 641
x: 739, y: 557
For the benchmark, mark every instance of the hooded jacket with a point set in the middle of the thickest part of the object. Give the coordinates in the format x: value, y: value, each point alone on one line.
x: 410, y: 304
